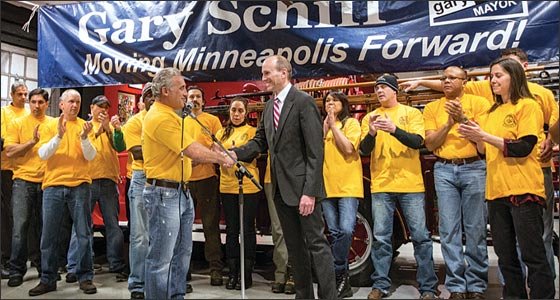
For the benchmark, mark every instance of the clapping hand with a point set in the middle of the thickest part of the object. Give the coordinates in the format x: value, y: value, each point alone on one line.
x: 36, y: 135
x: 455, y: 110
x: 61, y: 126
x: 86, y: 129
x: 372, y: 127
x: 116, y: 122
x: 471, y: 130
x: 385, y: 124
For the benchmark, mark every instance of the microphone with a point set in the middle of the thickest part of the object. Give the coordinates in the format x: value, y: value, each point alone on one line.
x: 187, y: 109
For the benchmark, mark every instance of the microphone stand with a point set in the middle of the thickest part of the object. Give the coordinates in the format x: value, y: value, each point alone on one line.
x: 239, y: 173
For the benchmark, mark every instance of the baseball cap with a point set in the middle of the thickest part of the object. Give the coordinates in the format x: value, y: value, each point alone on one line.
x: 100, y: 100
x: 147, y: 88
x: 388, y: 80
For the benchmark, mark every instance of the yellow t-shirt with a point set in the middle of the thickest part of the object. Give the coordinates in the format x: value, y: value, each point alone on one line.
x: 228, y: 181
x: 543, y: 96
x: 161, y: 144
x: 129, y: 165
x: 203, y: 171
x: 508, y: 176
x: 132, y: 134
x: 394, y: 167
x: 106, y: 162
x: 9, y: 114
x: 28, y: 167
x: 67, y: 166
x: 480, y: 88
x: 343, y: 175
x: 435, y: 117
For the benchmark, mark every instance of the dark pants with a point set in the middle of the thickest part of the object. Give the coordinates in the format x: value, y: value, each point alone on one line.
x: 6, y: 214
x: 305, y: 236
x: 27, y: 199
x: 231, y: 212
x: 205, y: 196
x: 524, y: 223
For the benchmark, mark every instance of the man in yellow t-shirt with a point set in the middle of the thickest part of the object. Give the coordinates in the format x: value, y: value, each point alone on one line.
x: 168, y: 150
x: 67, y: 151
x: 22, y: 144
x: 104, y: 172
x: 15, y: 110
x: 393, y: 135
x: 460, y: 175
x: 131, y: 132
x: 203, y: 184
x: 549, y: 107
x: 129, y: 137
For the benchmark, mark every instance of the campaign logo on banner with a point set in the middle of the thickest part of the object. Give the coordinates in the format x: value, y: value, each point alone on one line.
x: 453, y: 12
x: 102, y: 42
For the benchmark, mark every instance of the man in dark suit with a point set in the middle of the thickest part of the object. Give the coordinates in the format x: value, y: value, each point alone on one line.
x: 291, y: 128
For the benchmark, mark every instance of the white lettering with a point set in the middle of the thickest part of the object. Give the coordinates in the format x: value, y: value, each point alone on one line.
x: 435, y: 44
x: 369, y: 46
x: 83, y: 30
x: 250, y: 22
x: 230, y: 17
x: 504, y: 34
x: 460, y: 46
x: 398, y: 49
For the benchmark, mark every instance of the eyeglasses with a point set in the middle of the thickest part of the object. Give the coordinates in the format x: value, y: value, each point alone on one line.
x: 451, y: 78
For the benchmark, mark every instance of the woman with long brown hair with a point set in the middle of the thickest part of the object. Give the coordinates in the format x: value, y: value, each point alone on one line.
x: 236, y: 133
x: 514, y: 182
x: 342, y: 174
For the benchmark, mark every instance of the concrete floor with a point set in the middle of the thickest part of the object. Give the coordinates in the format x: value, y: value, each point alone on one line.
x: 403, y: 275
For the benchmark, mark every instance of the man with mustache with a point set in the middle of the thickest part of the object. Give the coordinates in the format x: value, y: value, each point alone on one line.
x: 22, y: 144
x: 203, y: 185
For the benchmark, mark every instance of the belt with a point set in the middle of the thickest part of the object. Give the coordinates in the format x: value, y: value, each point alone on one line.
x: 459, y: 161
x: 167, y: 183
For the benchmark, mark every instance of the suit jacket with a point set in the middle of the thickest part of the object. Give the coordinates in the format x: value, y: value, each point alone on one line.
x: 296, y: 147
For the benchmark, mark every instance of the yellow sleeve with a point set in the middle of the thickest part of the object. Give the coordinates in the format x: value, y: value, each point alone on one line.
x: 365, y: 125
x: 554, y: 116
x: 216, y: 125
x: 351, y: 131
x: 417, y: 122
x: 551, y: 105
x: 3, y: 122
x: 429, y: 117
x: 480, y: 107
x: 11, y: 136
x: 530, y: 120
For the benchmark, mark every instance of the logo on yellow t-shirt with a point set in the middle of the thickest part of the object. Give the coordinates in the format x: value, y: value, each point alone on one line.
x: 403, y: 120
x: 509, y: 121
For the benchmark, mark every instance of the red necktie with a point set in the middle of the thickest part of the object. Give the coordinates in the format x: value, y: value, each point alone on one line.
x: 276, y: 112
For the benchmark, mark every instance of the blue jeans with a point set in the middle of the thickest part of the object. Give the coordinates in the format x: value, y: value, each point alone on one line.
x: 170, y: 220
x: 460, y: 192
x: 340, y: 215
x: 77, y: 199
x: 26, y: 207
x: 138, y: 224
x: 106, y: 193
x: 383, y: 208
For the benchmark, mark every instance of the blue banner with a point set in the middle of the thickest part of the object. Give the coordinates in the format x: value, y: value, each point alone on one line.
x: 104, y: 43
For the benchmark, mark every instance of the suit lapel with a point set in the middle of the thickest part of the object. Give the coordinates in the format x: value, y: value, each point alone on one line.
x: 288, y: 104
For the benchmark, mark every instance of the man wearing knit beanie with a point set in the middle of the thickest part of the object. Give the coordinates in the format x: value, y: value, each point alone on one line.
x: 393, y: 134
